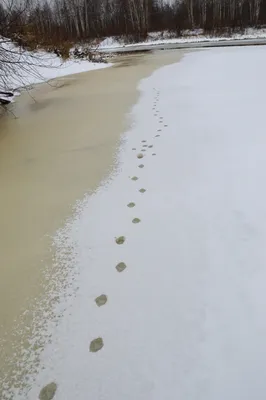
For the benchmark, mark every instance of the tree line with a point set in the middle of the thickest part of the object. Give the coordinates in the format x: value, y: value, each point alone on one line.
x: 77, y: 20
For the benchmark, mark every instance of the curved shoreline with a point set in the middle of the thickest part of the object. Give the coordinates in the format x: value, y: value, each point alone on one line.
x: 45, y: 168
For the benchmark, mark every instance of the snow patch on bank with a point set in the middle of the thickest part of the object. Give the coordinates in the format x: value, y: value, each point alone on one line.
x: 54, y: 67
x: 32, y: 67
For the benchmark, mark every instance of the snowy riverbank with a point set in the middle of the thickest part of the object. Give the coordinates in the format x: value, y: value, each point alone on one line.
x: 189, y: 37
x: 26, y: 68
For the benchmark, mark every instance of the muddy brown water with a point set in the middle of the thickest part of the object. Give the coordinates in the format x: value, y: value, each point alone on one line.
x: 60, y: 146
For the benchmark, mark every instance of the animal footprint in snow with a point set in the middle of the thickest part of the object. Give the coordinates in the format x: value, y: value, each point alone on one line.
x: 134, y: 148
x: 120, y: 239
x: 150, y: 146
x: 121, y: 267
x: 141, y: 166
x: 134, y: 178
x: 154, y: 154
x: 96, y: 345
x: 101, y: 300
x: 131, y: 205
x: 140, y: 155
x: 48, y: 391
x: 157, y: 135
x: 135, y: 220
x: 142, y: 190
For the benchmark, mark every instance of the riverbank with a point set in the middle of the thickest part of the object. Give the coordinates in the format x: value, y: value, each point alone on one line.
x: 61, y: 146
x: 25, y: 68
x: 187, y: 39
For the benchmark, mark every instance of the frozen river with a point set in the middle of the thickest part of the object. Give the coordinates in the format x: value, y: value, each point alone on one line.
x: 168, y: 257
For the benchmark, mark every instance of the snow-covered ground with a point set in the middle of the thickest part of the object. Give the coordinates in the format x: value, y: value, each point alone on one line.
x: 186, y: 318
x: 29, y: 68
x: 51, y: 66
x: 156, y: 38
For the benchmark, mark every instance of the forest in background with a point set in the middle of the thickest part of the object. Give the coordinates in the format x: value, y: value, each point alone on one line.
x: 43, y: 22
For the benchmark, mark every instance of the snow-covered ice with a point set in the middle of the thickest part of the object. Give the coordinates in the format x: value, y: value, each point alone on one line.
x: 186, y: 319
